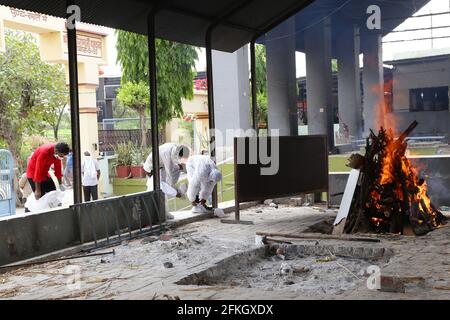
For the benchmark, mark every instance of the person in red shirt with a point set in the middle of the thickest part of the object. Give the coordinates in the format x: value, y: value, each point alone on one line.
x: 39, y: 164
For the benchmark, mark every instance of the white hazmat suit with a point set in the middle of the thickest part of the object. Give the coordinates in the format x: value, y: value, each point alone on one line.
x: 169, y: 164
x: 203, y: 175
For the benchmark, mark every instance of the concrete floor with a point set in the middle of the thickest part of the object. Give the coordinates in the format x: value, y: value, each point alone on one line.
x: 137, y: 270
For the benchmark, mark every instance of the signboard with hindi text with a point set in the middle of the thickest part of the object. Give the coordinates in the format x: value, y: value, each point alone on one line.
x: 88, y: 45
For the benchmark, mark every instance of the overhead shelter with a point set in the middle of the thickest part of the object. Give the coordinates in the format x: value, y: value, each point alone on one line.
x: 351, y: 12
x: 324, y: 30
x: 224, y: 25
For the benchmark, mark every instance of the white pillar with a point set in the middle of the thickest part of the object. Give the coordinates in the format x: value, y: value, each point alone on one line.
x: 319, y: 80
x: 349, y: 88
x: 281, y: 79
x: 373, y: 82
x: 231, y: 97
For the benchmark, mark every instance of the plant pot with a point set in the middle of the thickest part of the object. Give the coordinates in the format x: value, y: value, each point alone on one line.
x: 137, y: 172
x: 123, y: 171
x: 262, y: 125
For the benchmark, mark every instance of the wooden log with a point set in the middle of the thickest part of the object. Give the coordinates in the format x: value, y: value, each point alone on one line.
x: 440, y: 218
x: 418, y: 228
x: 408, y: 131
x: 317, y: 237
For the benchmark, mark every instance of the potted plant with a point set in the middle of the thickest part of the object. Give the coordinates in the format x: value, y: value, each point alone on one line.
x: 124, y: 157
x: 137, y: 162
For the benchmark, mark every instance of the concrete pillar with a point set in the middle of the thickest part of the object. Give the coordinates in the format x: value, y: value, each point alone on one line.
x: 231, y: 97
x: 281, y: 79
x: 373, y: 82
x: 319, y: 80
x: 349, y: 88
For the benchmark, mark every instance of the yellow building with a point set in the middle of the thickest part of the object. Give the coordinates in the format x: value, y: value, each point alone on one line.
x: 197, y: 110
x: 52, y: 40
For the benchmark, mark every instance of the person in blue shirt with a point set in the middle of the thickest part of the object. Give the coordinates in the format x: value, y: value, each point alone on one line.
x: 68, y: 171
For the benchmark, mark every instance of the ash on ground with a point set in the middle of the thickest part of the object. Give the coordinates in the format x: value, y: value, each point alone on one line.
x: 308, y: 275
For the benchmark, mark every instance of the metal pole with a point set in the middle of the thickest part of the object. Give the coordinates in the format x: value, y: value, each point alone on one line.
x: 153, y: 99
x: 212, y: 124
x: 74, y: 108
x: 253, y: 79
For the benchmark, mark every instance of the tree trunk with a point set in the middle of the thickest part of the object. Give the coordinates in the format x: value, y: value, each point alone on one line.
x: 55, y: 133
x: 58, y: 122
x: 143, y: 128
x: 13, y: 145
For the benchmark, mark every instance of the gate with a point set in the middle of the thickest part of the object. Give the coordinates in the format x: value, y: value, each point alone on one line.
x: 7, y: 195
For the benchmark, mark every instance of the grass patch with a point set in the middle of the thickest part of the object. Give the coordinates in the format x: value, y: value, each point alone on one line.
x: 337, y: 164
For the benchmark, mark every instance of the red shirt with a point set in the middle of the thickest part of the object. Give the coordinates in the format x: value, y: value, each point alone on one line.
x: 41, y: 161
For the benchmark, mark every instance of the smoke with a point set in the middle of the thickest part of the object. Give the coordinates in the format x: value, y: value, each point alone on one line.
x: 438, y: 190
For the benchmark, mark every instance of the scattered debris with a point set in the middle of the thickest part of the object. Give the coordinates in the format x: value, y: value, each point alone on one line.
x: 281, y: 251
x: 326, y: 259
x: 441, y: 288
x: 166, y: 296
x: 318, y: 236
x: 168, y: 265
x: 286, y: 269
x: 397, y: 284
x: 302, y: 270
x: 9, y: 293
x: 296, y: 202
x: 219, y: 213
x: 258, y: 211
x: 165, y: 237
x: 268, y: 202
x: 348, y: 270
x: 324, y: 227
x: 274, y: 205
x: 149, y: 239
x: 81, y: 256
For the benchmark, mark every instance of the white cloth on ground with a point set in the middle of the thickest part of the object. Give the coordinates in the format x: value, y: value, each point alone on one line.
x: 203, y: 175
x: 49, y: 200
x: 89, y: 170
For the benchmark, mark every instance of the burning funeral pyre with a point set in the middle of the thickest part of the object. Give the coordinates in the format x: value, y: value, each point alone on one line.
x: 390, y: 196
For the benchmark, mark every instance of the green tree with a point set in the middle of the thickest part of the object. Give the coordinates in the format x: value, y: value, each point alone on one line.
x: 175, y: 64
x: 261, y: 82
x: 260, y: 66
x: 30, y: 90
x: 334, y: 65
x: 137, y: 97
x: 55, y: 121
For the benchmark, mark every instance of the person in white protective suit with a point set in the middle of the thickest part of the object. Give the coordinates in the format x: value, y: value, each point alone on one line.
x: 172, y: 159
x: 203, y: 175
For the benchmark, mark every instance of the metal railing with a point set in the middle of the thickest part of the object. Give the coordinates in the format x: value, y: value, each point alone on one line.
x: 110, y: 221
x: 7, y: 195
x: 109, y: 139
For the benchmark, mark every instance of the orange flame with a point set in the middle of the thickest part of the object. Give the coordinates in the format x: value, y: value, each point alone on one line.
x: 393, y: 155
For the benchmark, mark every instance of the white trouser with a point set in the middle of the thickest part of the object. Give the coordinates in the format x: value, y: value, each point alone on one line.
x: 202, y: 189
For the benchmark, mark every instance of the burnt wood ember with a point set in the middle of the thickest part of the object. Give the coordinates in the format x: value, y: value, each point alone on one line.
x: 390, y: 197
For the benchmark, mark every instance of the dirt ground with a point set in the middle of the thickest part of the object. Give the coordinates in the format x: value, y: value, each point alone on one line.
x: 149, y: 268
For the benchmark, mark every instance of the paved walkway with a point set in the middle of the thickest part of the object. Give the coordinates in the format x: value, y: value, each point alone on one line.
x: 137, y: 270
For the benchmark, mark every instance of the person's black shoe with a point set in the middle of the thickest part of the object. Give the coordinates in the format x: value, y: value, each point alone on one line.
x: 208, y: 208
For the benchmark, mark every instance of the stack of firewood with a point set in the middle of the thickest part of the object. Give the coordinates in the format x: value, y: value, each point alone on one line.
x: 389, y: 197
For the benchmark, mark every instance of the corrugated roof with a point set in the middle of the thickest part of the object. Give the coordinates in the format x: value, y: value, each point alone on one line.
x: 185, y: 21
